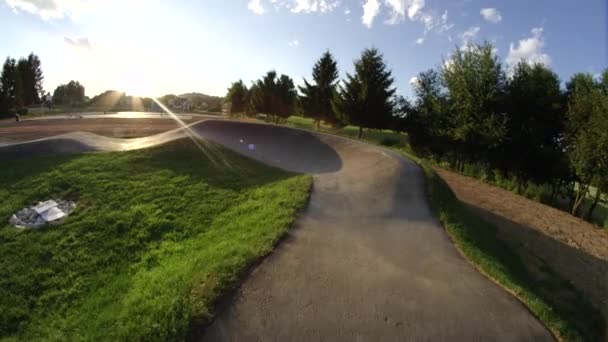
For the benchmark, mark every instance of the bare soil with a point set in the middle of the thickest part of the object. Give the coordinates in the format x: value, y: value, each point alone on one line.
x: 111, y: 127
x: 543, y: 236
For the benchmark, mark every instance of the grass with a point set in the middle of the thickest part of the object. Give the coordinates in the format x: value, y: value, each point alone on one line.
x: 573, y: 319
x: 158, y: 235
x: 382, y: 137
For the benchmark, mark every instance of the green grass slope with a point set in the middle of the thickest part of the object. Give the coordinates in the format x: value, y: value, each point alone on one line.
x: 158, y: 235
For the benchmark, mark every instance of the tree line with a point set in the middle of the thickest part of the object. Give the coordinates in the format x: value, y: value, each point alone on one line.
x: 21, y: 87
x: 509, y: 122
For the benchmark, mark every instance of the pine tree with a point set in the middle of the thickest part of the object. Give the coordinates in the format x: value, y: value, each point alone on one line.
x: 30, y: 74
x: 366, y: 98
x: 237, y: 96
x: 274, y: 96
x: 12, y: 91
x: 316, y: 98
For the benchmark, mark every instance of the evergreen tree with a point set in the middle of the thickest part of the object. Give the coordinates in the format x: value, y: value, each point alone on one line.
x: 274, y: 96
x: 316, y: 98
x: 366, y: 98
x: 30, y: 73
x: 238, y: 97
x: 12, y: 90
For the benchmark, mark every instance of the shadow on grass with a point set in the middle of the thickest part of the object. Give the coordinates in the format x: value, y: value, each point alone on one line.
x: 568, y: 314
x: 573, y: 282
x: 42, y: 148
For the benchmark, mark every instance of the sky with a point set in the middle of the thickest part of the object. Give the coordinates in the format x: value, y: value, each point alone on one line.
x: 152, y: 47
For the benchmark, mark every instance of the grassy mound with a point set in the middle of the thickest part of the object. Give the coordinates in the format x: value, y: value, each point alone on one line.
x: 158, y: 235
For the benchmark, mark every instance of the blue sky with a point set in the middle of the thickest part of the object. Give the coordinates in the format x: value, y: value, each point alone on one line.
x: 152, y: 47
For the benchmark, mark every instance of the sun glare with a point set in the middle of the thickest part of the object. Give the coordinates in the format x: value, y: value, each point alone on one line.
x: 136, y: 87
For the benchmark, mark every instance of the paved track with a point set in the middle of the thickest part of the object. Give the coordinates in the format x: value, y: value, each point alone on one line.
x: 366, y: 260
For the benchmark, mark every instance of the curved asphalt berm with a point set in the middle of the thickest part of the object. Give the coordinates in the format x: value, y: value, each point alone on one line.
x: 365, y: 261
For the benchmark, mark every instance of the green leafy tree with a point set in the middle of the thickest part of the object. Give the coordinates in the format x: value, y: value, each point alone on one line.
x: 70, y: 94
x: 532, y: 148
x: 316, y: 98
x: 274, y: 96
x: 366, y: 99
x: 237, y: 97
x: 587, y: 136
x: 475, y: 80
x: 428, y: 128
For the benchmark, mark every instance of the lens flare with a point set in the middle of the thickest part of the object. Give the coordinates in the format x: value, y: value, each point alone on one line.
x: 209, y: 150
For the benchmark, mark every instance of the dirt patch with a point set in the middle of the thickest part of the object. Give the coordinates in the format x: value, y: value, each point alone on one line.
x: 543, y: 236
x: 111, y: 127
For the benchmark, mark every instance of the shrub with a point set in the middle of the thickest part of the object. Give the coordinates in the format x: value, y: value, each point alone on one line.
x: 390, y: 142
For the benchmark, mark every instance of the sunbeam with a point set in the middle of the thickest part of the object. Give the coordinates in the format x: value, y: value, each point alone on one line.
x: 214, y: 155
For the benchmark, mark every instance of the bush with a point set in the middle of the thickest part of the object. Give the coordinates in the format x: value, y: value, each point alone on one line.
x: 390, y: 142
x: 22, y: 111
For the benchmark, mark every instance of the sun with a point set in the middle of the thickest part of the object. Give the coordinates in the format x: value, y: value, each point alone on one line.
x: 136, y: 88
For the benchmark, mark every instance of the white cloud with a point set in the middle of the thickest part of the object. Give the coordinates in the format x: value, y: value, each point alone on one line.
x: 443, y: 24
x: 413, y: 82
x: 414, y: 7
x: 529, y: 49
x: 469, y: 35
x: 420, y: 40
x: 82, y: 43
x: 256, y: 6
x: 491, y: 14
x: 347, y: 11
x: 371, y: 8
x: 310, y: 6
x: 398, y: 9
x: 294, y: 43
x: 431, y: 21
x: 52, y: 9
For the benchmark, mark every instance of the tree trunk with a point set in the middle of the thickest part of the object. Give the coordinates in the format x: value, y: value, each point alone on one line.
x: 596, y: 199
x: 578, y: 199
x: 360, y: 132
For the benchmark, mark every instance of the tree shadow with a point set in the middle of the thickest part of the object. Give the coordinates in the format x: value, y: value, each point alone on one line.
x: 42, y: 148
x: 214, y: 165
x: 572, y: 281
